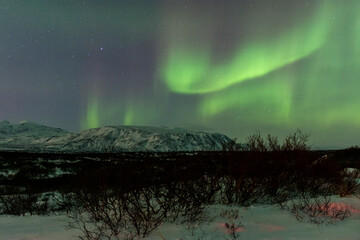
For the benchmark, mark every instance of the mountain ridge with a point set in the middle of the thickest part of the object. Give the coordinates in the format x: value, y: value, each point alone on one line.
x: 27, y: 136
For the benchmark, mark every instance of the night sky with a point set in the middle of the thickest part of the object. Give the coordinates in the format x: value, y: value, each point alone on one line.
x: 235, y: 67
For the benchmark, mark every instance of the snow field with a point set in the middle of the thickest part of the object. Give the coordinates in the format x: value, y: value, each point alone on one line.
x: 265, y: 222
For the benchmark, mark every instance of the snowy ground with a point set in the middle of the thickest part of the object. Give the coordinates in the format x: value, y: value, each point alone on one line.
x: 257, y: 222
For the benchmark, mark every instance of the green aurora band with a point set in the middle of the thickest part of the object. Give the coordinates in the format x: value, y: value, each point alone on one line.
x: 191, y: 70
x: 271, y: 95
x: 101, y: 113
x: 305, y: 75
x: 291, y: 73
x: 129, y: 117
x: 92, y: 114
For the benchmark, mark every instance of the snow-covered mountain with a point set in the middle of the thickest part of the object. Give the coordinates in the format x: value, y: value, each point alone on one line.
x: 28, y: 129
x: 33, y: 137
x: 21, y: 136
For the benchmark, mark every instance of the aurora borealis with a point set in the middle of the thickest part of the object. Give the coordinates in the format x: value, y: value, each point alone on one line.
x: 234, y: 67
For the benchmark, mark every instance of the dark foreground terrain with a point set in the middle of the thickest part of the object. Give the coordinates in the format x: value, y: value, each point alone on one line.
x: 41, y: 172
x: 137, y: 192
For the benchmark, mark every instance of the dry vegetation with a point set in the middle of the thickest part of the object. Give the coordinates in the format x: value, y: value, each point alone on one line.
x: 128, y: 198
